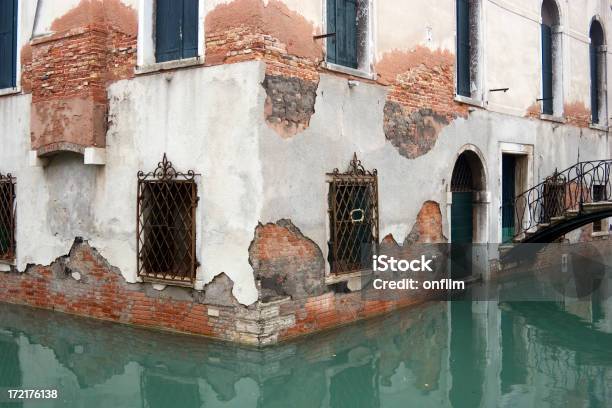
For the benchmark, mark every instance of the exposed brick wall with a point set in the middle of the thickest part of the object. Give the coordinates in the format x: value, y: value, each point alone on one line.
x: 285, y: 262
x: 421, y: 99
x: 68, y: 72
x: 249, y: 29
x: 428, y: 226
x: 331, y: 310
x: 100, y: 292
x: 84, y: 283
x: 577, y: 114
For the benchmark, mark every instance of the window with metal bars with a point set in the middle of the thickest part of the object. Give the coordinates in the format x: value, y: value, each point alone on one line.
x: 353, y: 218
x: 167, y: 202
x: 7, y: 217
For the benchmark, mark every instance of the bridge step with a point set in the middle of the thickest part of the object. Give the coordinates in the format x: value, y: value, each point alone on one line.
x: 598, y: 206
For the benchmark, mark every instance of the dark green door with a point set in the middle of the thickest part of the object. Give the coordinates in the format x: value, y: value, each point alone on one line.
x: 461, y: 234
x: 508, y: 196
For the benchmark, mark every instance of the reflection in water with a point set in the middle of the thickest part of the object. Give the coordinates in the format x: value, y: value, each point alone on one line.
x: 447, y: 354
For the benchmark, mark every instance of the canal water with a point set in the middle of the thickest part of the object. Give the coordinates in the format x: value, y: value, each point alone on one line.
x: 443, y: 354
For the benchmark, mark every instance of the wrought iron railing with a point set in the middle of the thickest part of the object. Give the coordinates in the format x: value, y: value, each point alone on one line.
x: 562, y: 193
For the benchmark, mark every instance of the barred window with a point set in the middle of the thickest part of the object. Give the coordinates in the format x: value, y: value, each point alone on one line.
x: 167, y: 202
x: 7, y: 217
x: 353, y: 218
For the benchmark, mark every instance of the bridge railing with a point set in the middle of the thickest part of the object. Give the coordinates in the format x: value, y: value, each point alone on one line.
x: 562, y: 193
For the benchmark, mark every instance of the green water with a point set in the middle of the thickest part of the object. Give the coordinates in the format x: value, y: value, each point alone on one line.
x: 447, y: 354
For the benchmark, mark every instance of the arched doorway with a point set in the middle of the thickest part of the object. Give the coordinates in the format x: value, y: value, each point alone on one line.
x: 467, y: 181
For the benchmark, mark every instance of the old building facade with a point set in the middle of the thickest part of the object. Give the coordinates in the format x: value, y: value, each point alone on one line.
x: 220, y: 167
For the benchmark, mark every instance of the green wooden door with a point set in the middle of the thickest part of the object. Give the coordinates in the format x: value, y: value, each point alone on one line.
x: 508, y: 196
x: 461, y: 235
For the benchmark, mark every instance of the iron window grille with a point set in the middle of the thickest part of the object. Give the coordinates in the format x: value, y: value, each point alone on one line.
x: 353, y: 218
x: 7, y: 217
x: 167, y: 201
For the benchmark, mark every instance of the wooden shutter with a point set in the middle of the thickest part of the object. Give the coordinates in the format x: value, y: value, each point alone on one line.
x: 547, y: 70
x: 463, y: 48
x: 8, y: 43
x: 342, y: 20
x: 594, y: 84
x: 331, y: 28
x: 190, y: 29
x: 176, y: 25
x: 168, y: 30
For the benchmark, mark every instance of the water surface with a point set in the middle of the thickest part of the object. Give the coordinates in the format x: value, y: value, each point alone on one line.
x: 445, y: 354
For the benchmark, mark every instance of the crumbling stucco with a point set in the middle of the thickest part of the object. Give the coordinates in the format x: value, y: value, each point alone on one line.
x: 285, y: 262
x: 577, y: 114
x: 415, y: 133
x: 289, y: 104
x: 272, y: 18
x: 428, y: 225
x: 421, y: 99
x: 113, y: 12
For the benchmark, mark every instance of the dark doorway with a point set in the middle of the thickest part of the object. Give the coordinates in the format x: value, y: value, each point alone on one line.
x: 463, y: 187
x: 508, y: 196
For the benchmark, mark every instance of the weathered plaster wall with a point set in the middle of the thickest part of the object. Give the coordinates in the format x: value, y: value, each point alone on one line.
x: 300, y: 163
x: 190, y: 115
x: 253, y: 172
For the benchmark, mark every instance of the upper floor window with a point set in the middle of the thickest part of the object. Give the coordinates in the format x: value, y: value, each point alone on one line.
x: 348, y: 28
x: 468, y: 38
x: 176, y: 29
x: 8, y: 43
x: 552, y: 103
x: 166, y: 245
x: 7, y: 217
x: 597, y: 53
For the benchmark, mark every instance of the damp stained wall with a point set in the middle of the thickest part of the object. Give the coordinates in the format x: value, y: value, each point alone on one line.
x: 249, y: 174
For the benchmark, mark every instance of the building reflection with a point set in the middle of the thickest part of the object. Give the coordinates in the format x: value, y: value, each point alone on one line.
x: 459, y: 354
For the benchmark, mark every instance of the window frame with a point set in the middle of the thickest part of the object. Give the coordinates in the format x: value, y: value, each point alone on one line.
x: 165, y: 173
x: 16, y: 86
x: 599, y: 118
x: 357, y: 176
x: 557, y: 65
x: 476, y: 61
x: 365, y: 67
x: 9, y: 255
x: 146, y: 61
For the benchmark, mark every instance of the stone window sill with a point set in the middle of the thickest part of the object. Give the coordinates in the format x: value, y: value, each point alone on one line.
x: 552, y: 118
x: 333, y: 278
x: 349, y: 71
x: 469, y: 101
x: 600, y: 234
x: 6, y: 265
x: 10, y: 91
x: 597, y: 126
x: 169, y: 65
